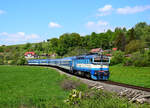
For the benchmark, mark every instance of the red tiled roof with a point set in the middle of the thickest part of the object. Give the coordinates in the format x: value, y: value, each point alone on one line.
x: 32, y: 53
x: 108, y: 54
x: 96, y: 50
x: 114, y: 49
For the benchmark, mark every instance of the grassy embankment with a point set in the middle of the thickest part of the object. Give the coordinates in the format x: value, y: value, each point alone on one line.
x: 39, y: 87
x: 21, y: 85
x: 139, y: 76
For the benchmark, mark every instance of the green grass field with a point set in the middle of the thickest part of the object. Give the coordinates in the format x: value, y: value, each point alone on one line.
x: 21, y: 85
x: 139, y: 76
x: 40, y: 87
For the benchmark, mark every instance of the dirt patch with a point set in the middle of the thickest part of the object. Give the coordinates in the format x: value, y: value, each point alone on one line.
x: 69, y: 84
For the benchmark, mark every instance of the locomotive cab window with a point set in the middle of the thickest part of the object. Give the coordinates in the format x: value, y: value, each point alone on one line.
x: 97, y: 59
x: 103, y: 60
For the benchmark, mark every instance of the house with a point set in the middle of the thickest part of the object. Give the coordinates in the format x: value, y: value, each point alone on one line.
x: 108, y: 52
x: 96, y: 50
x: 114, y: 49
x: 146, y: 49
x: 30, y: 55
x: 53, y: 55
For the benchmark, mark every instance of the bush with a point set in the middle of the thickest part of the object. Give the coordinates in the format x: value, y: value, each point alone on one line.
x: 127, y: 62
x: 21, y: 61
x: 147, y: 53
x: 118, y: 57
x: 12, y: 62
x: 74, y: 97
x: 134, y: 45
x: 1, y: 60
x: 141, y: 62
x: 138, y: 59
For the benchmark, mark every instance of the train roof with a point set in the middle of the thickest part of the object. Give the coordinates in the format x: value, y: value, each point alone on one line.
x: 85, y: 56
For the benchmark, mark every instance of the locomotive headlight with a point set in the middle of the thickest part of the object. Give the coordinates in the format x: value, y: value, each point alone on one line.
x: 105, y: 73
x: 95, y: 73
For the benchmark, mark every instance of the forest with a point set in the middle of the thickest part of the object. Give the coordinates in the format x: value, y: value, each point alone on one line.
x: 134, y: 41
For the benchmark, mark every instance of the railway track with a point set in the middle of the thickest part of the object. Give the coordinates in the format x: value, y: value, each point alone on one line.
x: 100, y: 82
x: 128, y: 86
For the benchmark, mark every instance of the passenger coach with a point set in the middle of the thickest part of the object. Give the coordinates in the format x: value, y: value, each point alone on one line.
x: 91, y: 66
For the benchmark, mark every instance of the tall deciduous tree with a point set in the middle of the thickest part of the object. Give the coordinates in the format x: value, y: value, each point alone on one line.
x: 134, y: 45
x: 131, y: 35
x: 120, y: 41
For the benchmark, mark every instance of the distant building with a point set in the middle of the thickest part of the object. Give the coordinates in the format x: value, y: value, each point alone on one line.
x: 108, y: 55
x: 96, y: 50
x: 146, y: 49
x: 108, y: 52
x: 114, y: 49
x: 1, y: 53
x: 44, y: 55
x: 30, y: 55
x: 53, y: 55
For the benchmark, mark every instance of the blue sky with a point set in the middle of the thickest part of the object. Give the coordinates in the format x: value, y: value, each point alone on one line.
x: 23, y: 21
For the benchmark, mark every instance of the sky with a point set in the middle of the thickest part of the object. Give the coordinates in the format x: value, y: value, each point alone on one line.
x: 23, y: 21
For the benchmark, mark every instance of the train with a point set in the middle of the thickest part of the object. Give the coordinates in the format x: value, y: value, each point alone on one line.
x: 92, y: 66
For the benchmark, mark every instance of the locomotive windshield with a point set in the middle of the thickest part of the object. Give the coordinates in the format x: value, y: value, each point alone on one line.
x: 103, y: 60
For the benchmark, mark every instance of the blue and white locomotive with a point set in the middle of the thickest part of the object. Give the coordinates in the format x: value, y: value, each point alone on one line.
x: 92, y: 66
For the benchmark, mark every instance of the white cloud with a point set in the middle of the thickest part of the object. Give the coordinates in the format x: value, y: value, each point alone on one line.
x: 18, y: 38
x: 3, y: 34
x: 98, y: 26
x: 21, y: 33
x: 2, y: 12
x: 54, y: 25
x: 106, y: 10
x: 90, y: 23
x: 102, y: 23
x: 132, y: 10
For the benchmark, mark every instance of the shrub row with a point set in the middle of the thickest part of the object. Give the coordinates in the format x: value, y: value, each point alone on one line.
x: 138, y: 59
x: 17, y: 61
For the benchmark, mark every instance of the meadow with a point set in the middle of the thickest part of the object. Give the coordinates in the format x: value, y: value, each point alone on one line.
x: 40, y: 87
x: 139, y: 76
x: 24, y: 85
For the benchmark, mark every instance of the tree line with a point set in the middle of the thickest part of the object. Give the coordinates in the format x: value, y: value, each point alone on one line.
x: 125, y: 40
x: 69, y: 44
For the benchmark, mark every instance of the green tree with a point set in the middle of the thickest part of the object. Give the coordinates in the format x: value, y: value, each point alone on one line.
x: 120, y: 41
x: 141, y: 30
x: 61, y: 50
x: 118, y: 57
x: 40, y: 46
x: 85, y: 42
x: 1, y: 59
x: 21, y: 61
x: 94, y: 41
x: 27, y: 46
x: 1, y: 49
x: 134, y: 45
x: 66, y: 41
x: 131, y: 34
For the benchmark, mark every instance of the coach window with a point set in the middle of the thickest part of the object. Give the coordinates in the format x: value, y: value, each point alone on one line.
x: 91, y: 60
